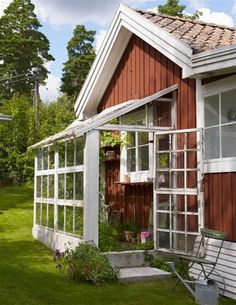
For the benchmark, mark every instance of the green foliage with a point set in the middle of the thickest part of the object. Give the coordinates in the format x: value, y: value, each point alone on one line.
x: 174, y: 8
x: 86, y: 264
x: 108, y: 237
x: 56, y: 116
x: 16, y: 163
x: 159, y: 263
x: 23, y: 49
x: 81, y: 55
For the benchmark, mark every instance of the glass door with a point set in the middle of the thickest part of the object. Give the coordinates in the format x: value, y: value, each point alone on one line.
x: 178, y: 193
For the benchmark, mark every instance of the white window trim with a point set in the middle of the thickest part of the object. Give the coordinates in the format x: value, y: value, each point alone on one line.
x: 217, y: 87
x: 148, y: 175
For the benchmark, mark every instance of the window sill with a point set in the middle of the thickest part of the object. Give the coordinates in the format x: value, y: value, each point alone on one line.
x: 134, y: 183
x: 220, y: 165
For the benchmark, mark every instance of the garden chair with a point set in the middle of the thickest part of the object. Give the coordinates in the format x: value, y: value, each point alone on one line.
x: 207, y: 266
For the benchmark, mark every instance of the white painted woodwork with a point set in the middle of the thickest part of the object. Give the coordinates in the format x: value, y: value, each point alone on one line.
x: 226, y: 264
x: 91, y: 187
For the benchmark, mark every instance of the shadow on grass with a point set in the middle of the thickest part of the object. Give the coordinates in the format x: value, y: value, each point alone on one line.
x: 30, y: 277
x: 16, y: 197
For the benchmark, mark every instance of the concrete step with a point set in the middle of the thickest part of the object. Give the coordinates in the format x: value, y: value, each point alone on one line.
x: 142, y: 274
x: 129, y: 259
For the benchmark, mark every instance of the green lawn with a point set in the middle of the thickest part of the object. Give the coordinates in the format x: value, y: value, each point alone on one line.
x: 28, y: 275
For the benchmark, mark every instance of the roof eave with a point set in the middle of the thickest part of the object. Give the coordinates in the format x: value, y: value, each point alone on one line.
x: 211, y: 62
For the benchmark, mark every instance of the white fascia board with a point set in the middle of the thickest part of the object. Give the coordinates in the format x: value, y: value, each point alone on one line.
x: 112, y: 48
x: 125, y: 23
x: 158, y: 38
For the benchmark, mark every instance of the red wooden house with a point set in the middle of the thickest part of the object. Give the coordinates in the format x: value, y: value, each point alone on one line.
x: 171, y: 83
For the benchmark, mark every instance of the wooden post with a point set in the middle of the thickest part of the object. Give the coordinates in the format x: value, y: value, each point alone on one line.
x: 91, y: 187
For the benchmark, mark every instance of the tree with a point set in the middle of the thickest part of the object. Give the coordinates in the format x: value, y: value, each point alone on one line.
x: 23, y: 49
x: 81, y: 55
x: 174, y: 8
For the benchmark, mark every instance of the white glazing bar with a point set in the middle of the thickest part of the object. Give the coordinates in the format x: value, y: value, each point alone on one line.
x: 171, y: 143
x: 56, y: 164
x: 64, y: 229
x: 155, y: 138
x: 35, y: 186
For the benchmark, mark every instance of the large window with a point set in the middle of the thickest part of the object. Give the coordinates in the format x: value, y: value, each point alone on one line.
x: 220, y: 125
x: 59, y: 187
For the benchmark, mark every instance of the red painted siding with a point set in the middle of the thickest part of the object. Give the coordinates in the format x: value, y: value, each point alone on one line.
x: 220, y: 203
x: 143, y: 71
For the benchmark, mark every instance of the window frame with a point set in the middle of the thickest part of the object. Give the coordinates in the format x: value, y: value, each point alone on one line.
x: 43, y: 173
x: 145, y: 175
x: 216, y: 165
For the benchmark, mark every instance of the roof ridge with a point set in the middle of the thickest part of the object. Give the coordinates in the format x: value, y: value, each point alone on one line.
x: 184, y: 19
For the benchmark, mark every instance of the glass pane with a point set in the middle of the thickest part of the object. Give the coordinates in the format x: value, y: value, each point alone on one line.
x: 212, y: 110
x: 61, y: 184
x: 70, y: 153
x: 212, y: 143
x: 228, y: 108
x: 163, y: 114
x: 192, y: 223
x: 178, y: 222
x: 228, y: 141
x: 69, y: 186
x: 163, y: 142
x: 130, y: 139
x: 51, y: 216
x: 51, y: 157
x: 178, y: 242
x: 69, y: 219
x: 61, y: 152
x: 79, y: 186
x: 51, y: 186
x: 162, y: 179
x: 163, y: 239
x: 190, y: 242
x: 79, y: 212
x: 38, y: 188
x: 40, y: 159
x: 131, y: 164
x: 163, y: 160
x: 60, y: 215
x: 44, y: 214
x: 79, y: 142
x: 137, y: 117
x: 45, y: 186
x: 142, y: 138
x: 163, y: 220
x: 163, y: 202
x: 143, y: 158
x: 38, y: 213
x: 45, y: 158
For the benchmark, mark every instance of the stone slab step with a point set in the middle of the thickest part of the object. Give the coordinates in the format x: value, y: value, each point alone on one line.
x: 142, y: 274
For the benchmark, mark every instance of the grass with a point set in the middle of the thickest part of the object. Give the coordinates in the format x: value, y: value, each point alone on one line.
x: 28, y: 275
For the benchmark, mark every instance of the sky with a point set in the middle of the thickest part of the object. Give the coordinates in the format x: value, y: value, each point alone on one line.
x: 59, y: 18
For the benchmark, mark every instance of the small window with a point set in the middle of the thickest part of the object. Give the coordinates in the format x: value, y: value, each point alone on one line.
x: 220, y: 125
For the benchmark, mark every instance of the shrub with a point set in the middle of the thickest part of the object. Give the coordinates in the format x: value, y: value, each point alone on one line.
x: 86, y: 264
